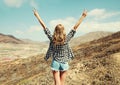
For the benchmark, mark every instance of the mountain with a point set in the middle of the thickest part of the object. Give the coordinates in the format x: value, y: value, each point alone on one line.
x: 96, y: 63
x: 75, y: 41
x: 9, y: 39
x: 89, y: 37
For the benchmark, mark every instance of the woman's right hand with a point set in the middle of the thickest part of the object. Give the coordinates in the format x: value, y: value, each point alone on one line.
x: 39, y: 18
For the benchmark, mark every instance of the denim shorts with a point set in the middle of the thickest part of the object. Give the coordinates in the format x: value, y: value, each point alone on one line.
x: 57, y: 66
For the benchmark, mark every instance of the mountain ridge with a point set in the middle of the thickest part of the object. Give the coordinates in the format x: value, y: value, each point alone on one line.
x: 75, y: 41
x: 9, y: 39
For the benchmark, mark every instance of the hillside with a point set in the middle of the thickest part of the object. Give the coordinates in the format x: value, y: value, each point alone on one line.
x: 98, y: 61
x: 95, y: 63
x: 9, y: 39
x: 89, y: 37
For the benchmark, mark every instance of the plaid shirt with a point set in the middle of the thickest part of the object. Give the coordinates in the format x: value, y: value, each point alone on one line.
x: 61, y: 53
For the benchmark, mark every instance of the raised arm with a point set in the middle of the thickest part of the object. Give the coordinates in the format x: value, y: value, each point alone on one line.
x: 39, y: 18
x: 84, y: 14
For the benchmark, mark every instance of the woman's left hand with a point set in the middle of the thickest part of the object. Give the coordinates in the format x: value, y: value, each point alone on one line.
x: 36, y: 12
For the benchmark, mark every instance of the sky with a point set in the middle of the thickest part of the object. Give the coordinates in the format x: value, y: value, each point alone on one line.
x: 17, y: 18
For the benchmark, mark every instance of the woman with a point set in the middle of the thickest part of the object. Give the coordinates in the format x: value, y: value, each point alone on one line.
x: 59, y: 48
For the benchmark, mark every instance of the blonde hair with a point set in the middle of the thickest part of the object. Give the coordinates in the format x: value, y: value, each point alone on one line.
x: 59, y: 35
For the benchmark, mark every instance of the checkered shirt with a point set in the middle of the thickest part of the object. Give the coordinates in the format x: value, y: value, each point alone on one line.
x: 61, y: 53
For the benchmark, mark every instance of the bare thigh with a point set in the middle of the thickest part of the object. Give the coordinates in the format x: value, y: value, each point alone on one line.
x: 63, y: 76
x: 56, y: 75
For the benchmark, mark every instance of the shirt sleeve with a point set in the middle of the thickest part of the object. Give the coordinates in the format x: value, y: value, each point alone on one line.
x: 48, y: 33
x: 70, y: 35
x: 49, y: 51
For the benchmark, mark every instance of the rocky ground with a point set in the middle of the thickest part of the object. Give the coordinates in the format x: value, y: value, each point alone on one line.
x: 95, y: 63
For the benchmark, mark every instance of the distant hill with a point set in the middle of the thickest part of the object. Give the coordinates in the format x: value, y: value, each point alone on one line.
x: 96, y: 63
x: 9, y: 39
x: 12, y: 39
x: 89, y: 37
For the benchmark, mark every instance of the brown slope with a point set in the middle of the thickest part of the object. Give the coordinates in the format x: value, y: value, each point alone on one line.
x: 9, y: 39
x: 97, y: 61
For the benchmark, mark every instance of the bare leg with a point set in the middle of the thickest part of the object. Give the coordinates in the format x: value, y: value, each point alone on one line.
x: 62, y: 77
x: 56, y: 75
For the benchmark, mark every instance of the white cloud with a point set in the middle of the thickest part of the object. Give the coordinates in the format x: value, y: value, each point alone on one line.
x: 92, y: 23
x: 33, y: 4
x: 14, y: 3
x: 19, y: 32
x: 88, y: 25
x: 67, y: 22
x: 34, y: 29
x: 19, y: 3
x: 98, y: 14
x: 97, y: 26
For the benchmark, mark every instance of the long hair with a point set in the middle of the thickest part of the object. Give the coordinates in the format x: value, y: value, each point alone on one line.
x: 59, y: 35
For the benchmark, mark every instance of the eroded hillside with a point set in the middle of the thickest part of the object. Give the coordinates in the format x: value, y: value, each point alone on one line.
x: 95, y: 63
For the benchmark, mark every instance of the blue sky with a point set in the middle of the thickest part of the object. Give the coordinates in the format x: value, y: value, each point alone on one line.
x: 16, y: 16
